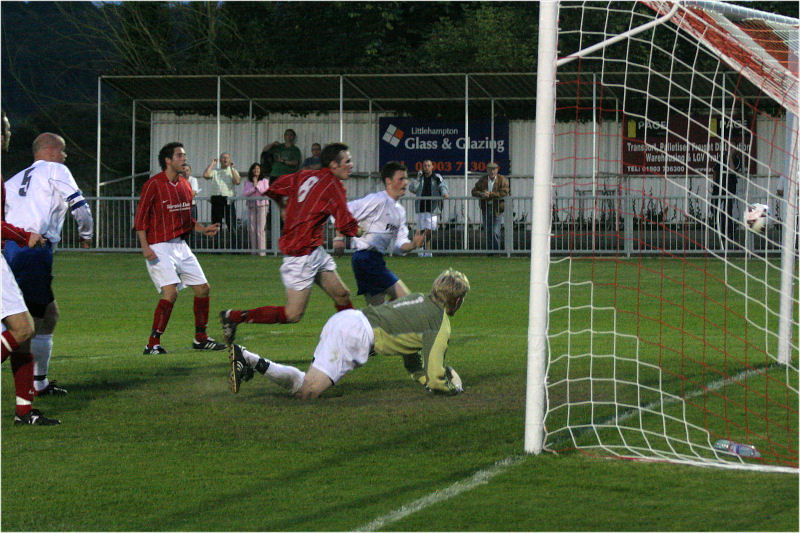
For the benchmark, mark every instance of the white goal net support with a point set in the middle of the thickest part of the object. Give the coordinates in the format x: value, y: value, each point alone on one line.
x: 670, y: 330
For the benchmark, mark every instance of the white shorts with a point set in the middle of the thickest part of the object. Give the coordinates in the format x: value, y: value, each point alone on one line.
x: 299, y: 271
x: 344, y: 344
x: 427, y: 221
x: 175, y: 264
x: 13, y: 302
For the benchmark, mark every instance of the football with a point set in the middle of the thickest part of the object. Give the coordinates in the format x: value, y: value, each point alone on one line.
x: 755, y: 218
x: 454, y: 377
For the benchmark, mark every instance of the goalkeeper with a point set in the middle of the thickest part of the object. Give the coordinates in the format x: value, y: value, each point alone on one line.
x: 415, y: 327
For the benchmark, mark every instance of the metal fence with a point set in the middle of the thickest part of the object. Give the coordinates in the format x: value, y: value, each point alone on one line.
x: 609, y: 224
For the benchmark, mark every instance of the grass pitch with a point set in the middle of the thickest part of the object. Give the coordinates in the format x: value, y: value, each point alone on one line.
x: 158, y: 442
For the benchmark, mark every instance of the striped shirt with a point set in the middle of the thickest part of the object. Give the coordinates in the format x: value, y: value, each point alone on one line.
x: 165, y: 209
x: 311, y: 197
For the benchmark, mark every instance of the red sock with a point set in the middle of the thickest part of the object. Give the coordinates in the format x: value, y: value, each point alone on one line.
x: 201, y: 318
x: 266, y: 315
x: 160, y: 319
x: 9, y: 344
x: 348, y: 305
x: 22, y: 367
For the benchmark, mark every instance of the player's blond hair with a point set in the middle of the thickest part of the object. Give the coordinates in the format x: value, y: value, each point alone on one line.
x: 449, y: 286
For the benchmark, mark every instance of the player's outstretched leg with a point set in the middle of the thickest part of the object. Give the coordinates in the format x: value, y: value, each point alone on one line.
x: 240, y: 370
x: 228, y: 326
x: 243, y: 362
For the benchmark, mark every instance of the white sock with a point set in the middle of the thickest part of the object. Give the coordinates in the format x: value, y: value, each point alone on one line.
x: 286, y: 376
x: 250, y: 357
x: 41, y: 348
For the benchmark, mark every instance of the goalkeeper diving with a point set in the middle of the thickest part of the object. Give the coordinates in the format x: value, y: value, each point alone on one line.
x: 415, y: 327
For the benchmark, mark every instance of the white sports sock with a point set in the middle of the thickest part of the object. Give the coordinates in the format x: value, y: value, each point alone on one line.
x: 250, y: 357
x: 286, y: 376
x: 41, y: 348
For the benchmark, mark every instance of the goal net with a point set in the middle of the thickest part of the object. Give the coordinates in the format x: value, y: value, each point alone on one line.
x: 672, y: 326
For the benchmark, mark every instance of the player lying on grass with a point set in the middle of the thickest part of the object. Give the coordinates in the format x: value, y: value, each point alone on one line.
x: 383, y: 223
x: 415, y: 327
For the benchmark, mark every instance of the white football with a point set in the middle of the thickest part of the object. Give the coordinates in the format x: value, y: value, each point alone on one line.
x: 755, y: 218
x: 455, y: 379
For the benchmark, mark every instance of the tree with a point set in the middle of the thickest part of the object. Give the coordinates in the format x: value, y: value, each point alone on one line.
x: 485, y: 37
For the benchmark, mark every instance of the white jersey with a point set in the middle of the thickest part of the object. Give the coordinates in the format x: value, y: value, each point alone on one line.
x: 382, y: 220
x: 37, y: 200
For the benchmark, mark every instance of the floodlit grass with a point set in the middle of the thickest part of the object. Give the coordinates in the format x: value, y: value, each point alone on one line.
x: 159, y: 443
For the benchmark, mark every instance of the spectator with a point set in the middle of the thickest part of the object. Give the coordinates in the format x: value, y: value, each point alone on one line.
x: 428, y: 184
x: 187, y: 173
x: 491, y: 189
x: 723, y: 192
x: 313, y: 162
x: 265, y: 160
x: 257, y: 185
x: 285, y: 156
x: 223, y: 180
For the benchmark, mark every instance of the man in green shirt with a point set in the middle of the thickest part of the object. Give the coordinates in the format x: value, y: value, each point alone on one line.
x: 415, y: 327
x: 285, y: 156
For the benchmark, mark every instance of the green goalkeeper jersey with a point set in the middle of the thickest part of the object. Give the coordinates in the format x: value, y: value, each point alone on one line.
x: 418, y: 329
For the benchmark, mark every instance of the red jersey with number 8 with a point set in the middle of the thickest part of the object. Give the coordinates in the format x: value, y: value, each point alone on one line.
x: 311, y: 197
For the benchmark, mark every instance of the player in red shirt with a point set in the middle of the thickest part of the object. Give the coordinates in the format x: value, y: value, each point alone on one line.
x: 163, y: 221
x: 308, y: 198
x: 18, y: 324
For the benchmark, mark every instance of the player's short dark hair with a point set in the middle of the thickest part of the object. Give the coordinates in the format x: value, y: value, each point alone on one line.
x: 332, y: 152
x: 388, y: 170
x: 166, y: 153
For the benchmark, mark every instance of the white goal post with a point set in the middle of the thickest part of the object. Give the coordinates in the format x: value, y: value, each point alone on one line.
x: 669, y: 331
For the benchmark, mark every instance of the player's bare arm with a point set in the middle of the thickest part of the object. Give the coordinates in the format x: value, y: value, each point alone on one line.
x: 147, y: 252
x: 417, y: 242
x: 338, y: 244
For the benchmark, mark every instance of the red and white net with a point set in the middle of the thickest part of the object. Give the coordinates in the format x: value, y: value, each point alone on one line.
x: 668, y: 315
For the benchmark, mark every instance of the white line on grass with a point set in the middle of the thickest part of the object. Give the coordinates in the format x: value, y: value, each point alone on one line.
x: 483, y: 476
x: 478, y: 478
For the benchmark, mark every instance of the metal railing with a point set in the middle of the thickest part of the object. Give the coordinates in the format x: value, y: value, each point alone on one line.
x: 610, y: 224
